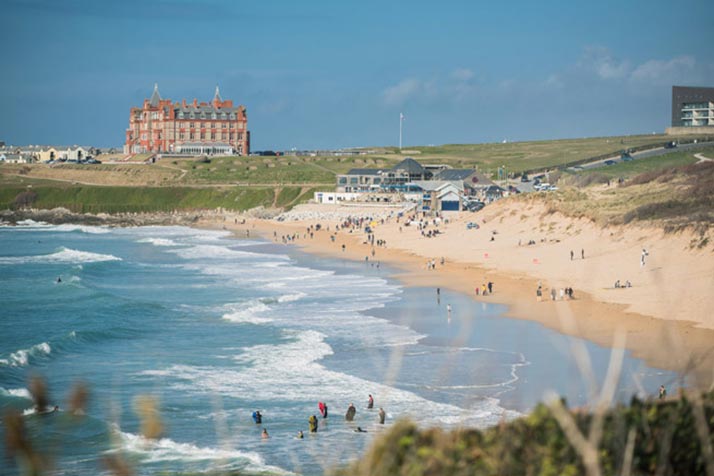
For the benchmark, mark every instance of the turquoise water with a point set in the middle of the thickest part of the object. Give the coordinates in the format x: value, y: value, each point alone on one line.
x: 216, y: 328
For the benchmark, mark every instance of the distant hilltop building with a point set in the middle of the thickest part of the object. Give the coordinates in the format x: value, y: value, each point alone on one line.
x: 163, y: 126
x: 692, y: 110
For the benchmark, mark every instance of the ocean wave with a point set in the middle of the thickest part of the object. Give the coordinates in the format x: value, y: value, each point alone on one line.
x: 63, y: 255
x: 16, y: 392
x: 165, y: 449
x: 22, y: 357
x: 158, y: 241
x: 292, y: 297
x: 94, y: 230
x: 249, y: 314
x: 206, y: 251
x: 268, y: 370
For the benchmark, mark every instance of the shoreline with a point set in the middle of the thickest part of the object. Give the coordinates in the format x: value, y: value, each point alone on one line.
x: 683, y: 346
x: 676, y: 345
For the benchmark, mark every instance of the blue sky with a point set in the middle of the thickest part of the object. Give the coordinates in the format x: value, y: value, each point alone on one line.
x: 332, y: 73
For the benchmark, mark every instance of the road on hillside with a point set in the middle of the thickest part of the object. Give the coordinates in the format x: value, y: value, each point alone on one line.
x: 642, y: 155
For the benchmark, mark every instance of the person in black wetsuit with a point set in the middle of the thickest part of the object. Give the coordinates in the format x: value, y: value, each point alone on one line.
x: 351, y: 411
x: 257, y: 417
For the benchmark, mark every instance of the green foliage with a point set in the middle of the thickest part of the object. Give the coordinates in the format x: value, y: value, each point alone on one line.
x: 88, y: 199
x: 666, y: 443
x: 287, y: 196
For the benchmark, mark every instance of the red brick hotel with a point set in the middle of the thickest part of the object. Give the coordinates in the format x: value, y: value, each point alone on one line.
x: 192, y: 128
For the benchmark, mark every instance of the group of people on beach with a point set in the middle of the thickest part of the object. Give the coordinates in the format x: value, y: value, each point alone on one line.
x: 313, y: 422
x: 485, y: 289
x: 555, y: 295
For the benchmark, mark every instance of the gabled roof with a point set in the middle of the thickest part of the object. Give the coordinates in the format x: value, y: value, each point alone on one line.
x: 155, y: 96
x: 409, y: 165
x: 364, y: 172
x: 454, y: 174
x: 480, y: 180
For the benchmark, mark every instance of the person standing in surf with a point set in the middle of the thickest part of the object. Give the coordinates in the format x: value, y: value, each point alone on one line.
x: 351, y: 411
x: 370, y: 402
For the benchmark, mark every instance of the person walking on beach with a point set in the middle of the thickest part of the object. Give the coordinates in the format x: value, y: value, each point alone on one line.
x: 662, y: 392
x: 448, y: 310
x: 351, y: 411
x: 370, y: 402
x: 490, y: 287
x: 571, y: 255
x: 382, y: 415
x: 642, y: 258
x: 552, y: 294
x: 582, y: 254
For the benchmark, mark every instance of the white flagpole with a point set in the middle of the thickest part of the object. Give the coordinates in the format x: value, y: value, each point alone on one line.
x: 401, y: 119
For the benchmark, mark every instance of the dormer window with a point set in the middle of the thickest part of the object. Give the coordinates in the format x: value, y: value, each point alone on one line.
x: 213, y: 116
x: 192, y: 116
x: 180, y: 115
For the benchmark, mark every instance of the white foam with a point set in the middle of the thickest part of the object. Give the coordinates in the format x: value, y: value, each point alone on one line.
x: 158, y: 241
x: 21, y: 357
x: 63, y: 255
x: 212, y: 251
x: 165, y: 449
x: 249, y: 314
x: 95, y: 230
x: 292, y: 297
x: 268, y: 370
x: 16, y: 392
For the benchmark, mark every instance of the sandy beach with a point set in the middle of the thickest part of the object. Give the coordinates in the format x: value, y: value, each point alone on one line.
x: 666, y: 314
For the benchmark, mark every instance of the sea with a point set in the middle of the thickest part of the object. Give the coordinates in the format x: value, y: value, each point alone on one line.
x: 211, y: 328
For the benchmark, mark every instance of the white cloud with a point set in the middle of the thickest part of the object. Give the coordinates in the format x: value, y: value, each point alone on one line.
x: 602, y: 62
x: 403, y: 91
x: 462, y: 74
x: 665, y: 71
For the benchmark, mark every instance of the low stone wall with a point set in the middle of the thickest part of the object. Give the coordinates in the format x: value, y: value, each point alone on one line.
x: 680, y: 131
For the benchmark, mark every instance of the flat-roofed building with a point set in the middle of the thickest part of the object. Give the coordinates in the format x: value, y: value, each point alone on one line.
x: 692, y: 110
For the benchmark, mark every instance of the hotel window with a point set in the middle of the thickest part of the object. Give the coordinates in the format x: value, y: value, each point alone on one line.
x: 223, y: 125
x: 192, y: 116
x: 210, y: 135
x: 181, y: 136
x: 191, y: 136
x: 232, y: 116
x: 240, y: 136
x: 203, y: 135
x: 230, y: 136
x: 190, y: 125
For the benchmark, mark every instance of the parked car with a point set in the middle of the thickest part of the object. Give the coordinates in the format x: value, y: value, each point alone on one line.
x: 670, y: 145
x: 524, y: 178
x: 475, y: 206
x: 609, y: 162
x: 472, y: 226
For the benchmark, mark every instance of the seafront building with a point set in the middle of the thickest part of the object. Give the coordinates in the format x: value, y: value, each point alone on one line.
x: 433, y: 187
x: 163, y: 126
x: 692, y: 110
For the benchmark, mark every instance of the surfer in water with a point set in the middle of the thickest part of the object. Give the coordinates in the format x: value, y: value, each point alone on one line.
x: 265, y: 435
x: 351, y: 410
x: 360, y: 430
x: 323, y: 409
x: 300, y: 436
x: 312, y: 422
x: 59, y: 279
x: 370, y: 402
x: 257, y: 417
x: 382, y: 415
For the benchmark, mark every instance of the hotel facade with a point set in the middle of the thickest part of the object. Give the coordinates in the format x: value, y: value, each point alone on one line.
x: 163, y: 126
